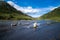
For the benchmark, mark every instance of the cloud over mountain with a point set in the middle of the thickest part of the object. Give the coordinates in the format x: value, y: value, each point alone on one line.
x: 30, y: 10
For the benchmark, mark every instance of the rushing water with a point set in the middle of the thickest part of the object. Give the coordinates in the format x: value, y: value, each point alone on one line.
x: 46, y: 30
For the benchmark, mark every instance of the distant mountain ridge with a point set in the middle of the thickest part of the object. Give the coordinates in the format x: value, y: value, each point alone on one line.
x: 7, y: 12
x: 53, y: 15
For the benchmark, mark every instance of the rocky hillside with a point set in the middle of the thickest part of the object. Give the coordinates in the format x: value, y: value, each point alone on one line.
x: 7, y: 12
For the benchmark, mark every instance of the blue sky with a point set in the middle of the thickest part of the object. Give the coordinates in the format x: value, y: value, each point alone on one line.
x: 34, y: 8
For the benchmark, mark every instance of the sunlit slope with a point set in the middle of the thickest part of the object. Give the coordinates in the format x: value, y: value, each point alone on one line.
x: 7, y: 12
x: 53, y: 15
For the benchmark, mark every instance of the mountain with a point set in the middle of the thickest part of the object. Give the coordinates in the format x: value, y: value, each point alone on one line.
x: 53, y: 15
x: 8, y: 12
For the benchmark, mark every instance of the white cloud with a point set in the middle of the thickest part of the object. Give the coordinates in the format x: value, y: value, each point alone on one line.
x: 30, y: 10
x: 11, y: 3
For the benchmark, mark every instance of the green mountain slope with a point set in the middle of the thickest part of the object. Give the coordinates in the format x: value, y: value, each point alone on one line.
x: 53, y: 15
x: 7, y: 12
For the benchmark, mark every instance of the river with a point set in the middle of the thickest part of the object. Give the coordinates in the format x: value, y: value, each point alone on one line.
x: 46, y: 30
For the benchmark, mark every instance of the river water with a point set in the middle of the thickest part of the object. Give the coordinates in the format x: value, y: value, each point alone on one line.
x: 46, y: 30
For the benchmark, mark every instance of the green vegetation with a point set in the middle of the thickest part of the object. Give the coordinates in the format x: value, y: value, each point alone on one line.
x: 7, y: 12
x: 53, y: 15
